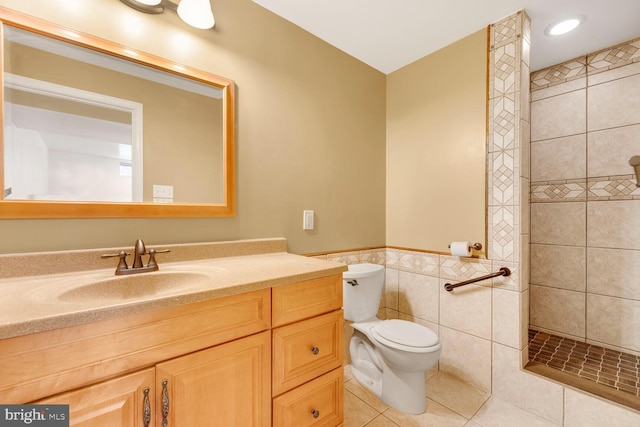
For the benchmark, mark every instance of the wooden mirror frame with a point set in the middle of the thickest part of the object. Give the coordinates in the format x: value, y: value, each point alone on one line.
x: 72, y: 209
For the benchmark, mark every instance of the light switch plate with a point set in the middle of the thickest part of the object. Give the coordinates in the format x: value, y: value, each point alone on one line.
x: 307, y: 221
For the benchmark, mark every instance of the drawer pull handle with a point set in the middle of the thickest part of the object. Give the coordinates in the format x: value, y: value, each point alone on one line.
x: 315, y: 413
x: 146, y: 407
x: 165, y: 403
x: 315, y: 350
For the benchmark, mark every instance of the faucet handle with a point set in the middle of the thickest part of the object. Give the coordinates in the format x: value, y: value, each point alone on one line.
x: 122, y: 264
x: 152, y: 257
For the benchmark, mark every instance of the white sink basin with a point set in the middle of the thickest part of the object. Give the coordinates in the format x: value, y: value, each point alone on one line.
x: 138, y: 286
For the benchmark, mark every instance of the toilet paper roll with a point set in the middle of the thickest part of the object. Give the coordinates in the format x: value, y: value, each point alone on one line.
x: 461, y: 249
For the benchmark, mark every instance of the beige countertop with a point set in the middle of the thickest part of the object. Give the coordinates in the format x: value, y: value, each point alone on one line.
x: 40, y: 302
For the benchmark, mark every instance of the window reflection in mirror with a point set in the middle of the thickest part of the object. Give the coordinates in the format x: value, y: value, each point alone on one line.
x: 85, y: 126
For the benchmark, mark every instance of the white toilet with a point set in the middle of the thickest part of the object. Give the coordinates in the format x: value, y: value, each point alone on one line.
x: 389, y: 357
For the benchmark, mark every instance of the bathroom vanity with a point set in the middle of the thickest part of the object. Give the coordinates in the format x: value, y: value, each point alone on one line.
x: 255, y: 340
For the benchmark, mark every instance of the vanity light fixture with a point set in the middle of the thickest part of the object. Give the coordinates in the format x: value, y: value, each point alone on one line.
x: 564, y: 26
x: 196, y: 13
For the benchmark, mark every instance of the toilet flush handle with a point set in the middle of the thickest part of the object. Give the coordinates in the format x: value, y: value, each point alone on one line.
x: 353, y: 282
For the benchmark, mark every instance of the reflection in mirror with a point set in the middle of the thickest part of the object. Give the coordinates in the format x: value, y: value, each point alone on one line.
x: 86, y: 128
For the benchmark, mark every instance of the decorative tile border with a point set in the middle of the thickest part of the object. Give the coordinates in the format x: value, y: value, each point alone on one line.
x: 613, y: 57
x: 457, y: 268
x: 558, y: 74
x: 414, y: 262
x: 621, y: 187
x: 506, y: 30
x: 559, y: 191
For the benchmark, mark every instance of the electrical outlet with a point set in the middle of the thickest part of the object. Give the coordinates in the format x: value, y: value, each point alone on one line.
x: 163, y: 191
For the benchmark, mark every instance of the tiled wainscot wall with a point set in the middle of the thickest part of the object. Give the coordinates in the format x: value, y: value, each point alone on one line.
x: 585, y: 206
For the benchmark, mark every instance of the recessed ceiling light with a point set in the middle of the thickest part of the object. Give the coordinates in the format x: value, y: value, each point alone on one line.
x: 564, y: 26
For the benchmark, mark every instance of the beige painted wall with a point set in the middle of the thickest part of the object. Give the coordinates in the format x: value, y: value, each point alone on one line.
x: 436, y: 148
x: 310, y: 131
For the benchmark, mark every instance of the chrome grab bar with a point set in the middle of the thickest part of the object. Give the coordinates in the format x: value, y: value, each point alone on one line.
x: 504, y: 271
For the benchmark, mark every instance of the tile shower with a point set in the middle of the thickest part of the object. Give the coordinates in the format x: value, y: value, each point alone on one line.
x: 585, y: 212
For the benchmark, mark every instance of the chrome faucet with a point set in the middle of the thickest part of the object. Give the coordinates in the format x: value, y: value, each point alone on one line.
x: 138, y: 266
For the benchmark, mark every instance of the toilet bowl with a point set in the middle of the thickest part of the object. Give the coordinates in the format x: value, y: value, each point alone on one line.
x: 388, y: 357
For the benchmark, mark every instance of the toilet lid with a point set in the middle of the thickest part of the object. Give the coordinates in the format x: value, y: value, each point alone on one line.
x: 407, y: 333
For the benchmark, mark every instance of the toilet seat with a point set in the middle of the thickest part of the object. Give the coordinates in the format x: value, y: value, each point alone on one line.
x: 407, y: 336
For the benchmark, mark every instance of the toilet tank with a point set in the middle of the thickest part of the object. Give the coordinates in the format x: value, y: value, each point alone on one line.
x: 362, y: 289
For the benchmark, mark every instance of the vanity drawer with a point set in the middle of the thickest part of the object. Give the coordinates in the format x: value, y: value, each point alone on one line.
x: 302, y: 300
x: 305, y: 350
x: 317, y: 403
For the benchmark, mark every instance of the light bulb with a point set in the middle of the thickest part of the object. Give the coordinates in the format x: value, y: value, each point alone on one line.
x: 196, y: 13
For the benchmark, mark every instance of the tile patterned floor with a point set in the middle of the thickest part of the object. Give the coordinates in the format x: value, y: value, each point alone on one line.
x: 450, y: 403
x: 611, y: 368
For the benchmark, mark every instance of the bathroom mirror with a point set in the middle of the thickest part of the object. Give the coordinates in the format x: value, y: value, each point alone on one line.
x: 95, y: 129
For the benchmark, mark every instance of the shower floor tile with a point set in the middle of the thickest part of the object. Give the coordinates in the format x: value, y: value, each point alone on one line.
x: 602, y: 367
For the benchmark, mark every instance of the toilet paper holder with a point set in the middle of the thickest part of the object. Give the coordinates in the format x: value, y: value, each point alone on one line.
x: 476, y: 246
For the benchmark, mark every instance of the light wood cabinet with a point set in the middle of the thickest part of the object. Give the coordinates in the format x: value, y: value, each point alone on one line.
x: 124, y: 401
x: 227, y: 385
x: 212, y: 363
x: 307, y: 376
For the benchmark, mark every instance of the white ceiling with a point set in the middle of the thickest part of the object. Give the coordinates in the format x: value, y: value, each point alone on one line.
x: 389, y: 34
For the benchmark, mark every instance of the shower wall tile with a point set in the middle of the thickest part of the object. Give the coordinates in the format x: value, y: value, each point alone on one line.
x: 557, y: 310
x: 614, y: 224
x: 611, y: 149
x: 559, y: 158
x: 559, y: 223
x: 613, y: 272
x: 616, y: 73
x: 558, y: 116
x: 467, y: 309
x: 466, y: 356
x: 562, y: 267
x: 606, y: 314
x: 418, y: 295
x: 558, y: 89
x: 615, y: 103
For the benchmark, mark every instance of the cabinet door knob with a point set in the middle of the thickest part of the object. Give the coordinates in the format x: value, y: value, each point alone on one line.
x: 165, y: 404
x: 315, y: 413
x: 146, y: 405
x: 315, y: 350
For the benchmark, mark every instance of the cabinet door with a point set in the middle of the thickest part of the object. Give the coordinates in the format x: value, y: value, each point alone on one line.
x: 121, y: 402
x: 227, y: 385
